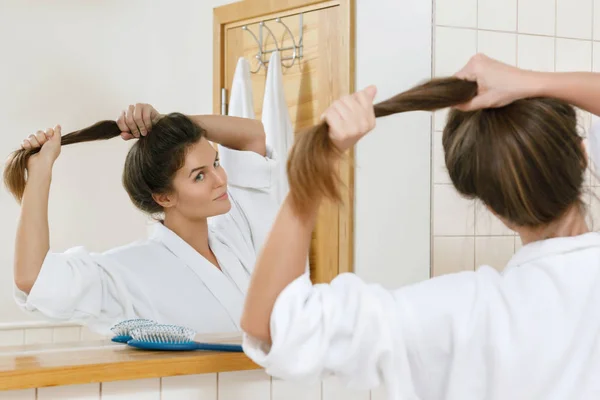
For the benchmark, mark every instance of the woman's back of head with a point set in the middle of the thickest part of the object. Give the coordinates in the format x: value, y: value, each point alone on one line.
x: 525, y: 161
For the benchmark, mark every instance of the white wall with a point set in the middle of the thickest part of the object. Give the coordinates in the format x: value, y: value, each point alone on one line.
x: 392, y: 231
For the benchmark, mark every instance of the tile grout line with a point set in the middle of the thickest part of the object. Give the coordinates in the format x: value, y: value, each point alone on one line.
x: 517, y: 38
x: 518, y: 32
x: 432, y: 136
x: 555, y: 32
x: 474, y: 212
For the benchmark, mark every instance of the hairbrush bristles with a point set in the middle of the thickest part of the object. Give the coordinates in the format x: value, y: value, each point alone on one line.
x: 124, y: 328
x: 167, y: 334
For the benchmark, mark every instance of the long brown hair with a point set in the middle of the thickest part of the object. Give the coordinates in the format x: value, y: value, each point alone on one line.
x: 524, y: 161
x: 150, y: 164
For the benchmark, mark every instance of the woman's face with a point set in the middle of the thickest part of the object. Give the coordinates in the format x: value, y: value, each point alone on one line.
x: 200, y: 186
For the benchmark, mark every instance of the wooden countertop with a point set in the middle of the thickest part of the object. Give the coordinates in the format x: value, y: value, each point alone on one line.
x: 25, y: 367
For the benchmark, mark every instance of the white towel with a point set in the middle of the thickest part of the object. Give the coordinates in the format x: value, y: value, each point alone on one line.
x: 277, y: 123
x: 240, y: 100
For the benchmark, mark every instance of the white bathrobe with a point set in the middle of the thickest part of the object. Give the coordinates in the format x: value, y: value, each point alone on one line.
x: 163, y: 278
x: 530, y: 332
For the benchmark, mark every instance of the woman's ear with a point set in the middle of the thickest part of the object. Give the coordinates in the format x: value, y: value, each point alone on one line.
x: 165, y: 200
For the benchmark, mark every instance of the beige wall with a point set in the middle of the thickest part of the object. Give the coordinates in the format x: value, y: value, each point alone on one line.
x: 549, y: 35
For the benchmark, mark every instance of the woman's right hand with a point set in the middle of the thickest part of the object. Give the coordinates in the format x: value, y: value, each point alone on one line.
x: 137, y: 120
x: 49, y: 141
x: 351, y: 117
x: 498, y: 84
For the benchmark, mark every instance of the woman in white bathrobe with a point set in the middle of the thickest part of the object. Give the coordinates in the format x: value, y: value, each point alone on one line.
x: 194, y: 270
x: 529, y: 332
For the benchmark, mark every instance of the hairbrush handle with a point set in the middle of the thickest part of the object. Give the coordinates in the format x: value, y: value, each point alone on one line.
x: 143, y: 345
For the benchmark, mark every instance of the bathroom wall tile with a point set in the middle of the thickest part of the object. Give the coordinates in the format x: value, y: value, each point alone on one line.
x: 284, y: 390
x: 596, y: 57
x: 452, y: 214
x: 486, y: 224
x: 573, y: 55
x: 497, y: 15
x: 247, y: 385
x: 574, y: 19
x: 88, y: 335
x: 453, y: 48
x: 440, y: 172
x: 462, y: 13
x: 494, y: 251
x: 141, y: 389
x: 453, y: 254
x: 12, y: 337
x: 189, y: 387
x: 379, y: 394
x: 594, y: 209
x: 587, y: 178
x: 596, y: 20
x: 594, y: 173
x: 537, y: 17
x: 518, y: 243
x: 334, y: 390
x: 535, y: 53
x: 27, y: 394
x: 39, y: 335
x: 439, y: 119
x: 498, y: 45
x: 66, y: 334
x: 73, y: 392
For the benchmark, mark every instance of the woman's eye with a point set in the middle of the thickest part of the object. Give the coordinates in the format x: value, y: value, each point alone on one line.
x: 217, y: 163
x: 200, y: 176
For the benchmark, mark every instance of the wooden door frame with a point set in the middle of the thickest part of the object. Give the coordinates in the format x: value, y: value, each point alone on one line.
x: 250, y: 9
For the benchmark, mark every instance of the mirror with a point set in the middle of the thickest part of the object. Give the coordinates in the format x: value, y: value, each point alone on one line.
x: 167, y: 226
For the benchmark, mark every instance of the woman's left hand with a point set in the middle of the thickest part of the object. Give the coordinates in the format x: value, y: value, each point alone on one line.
x: 351, y: 117
x: 137, y: 120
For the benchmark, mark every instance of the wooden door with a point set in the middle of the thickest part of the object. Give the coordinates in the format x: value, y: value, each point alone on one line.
x: 312, y: 83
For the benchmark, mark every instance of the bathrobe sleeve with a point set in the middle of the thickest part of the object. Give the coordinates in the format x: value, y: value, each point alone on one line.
x: 370, y: 336
x: 81, y: 287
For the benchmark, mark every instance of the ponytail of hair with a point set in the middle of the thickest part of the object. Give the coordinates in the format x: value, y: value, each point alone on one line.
x: 16, y: 166
x: 312, y: 162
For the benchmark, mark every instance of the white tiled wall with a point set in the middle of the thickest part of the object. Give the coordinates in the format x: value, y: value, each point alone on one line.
x: 39, y: 336
x: 189, y: 387
x: 547, y: 35
x: 28, y: 394
x: 283, y: 390
x: 73, y: 392
x: 31, y: 334
x: 243, y: 385
x: 142, y: 389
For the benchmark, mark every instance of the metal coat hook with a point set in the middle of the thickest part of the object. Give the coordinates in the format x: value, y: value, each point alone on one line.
x: 258, y: 56
x: 261, y: 54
